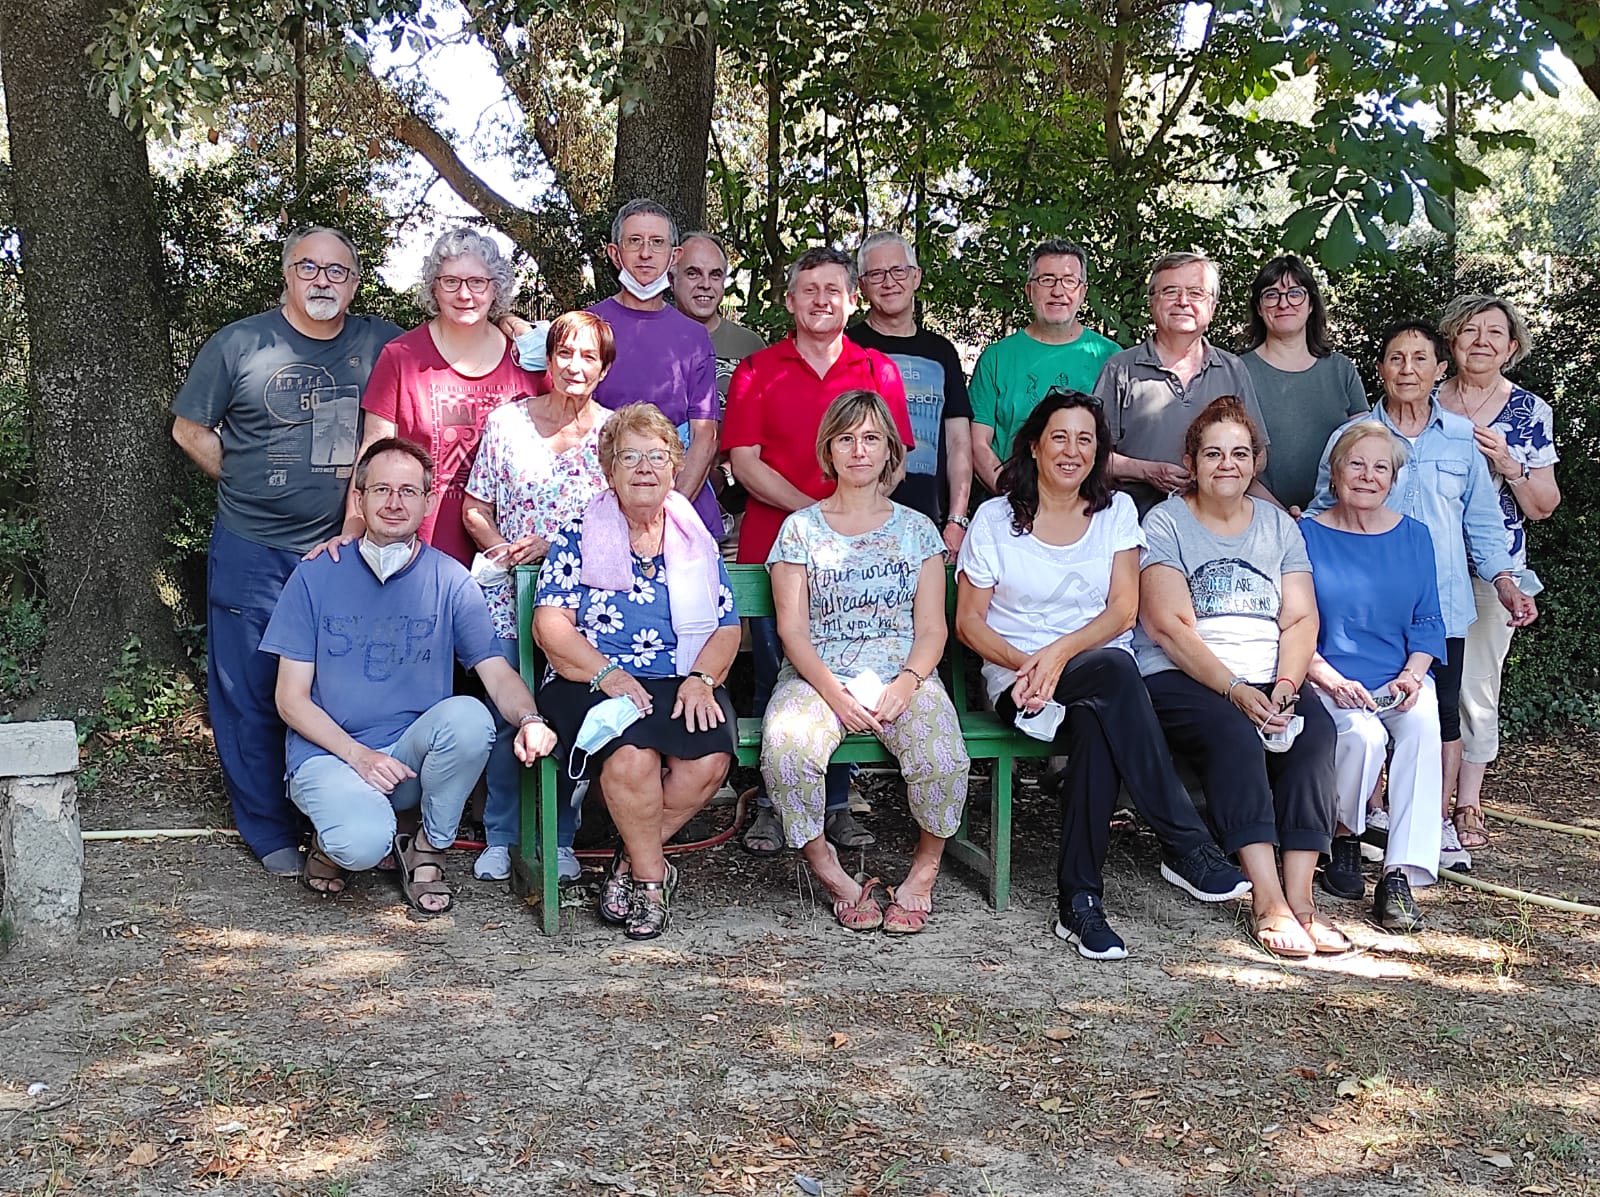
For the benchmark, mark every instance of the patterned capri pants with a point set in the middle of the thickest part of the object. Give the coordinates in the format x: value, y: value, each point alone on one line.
x: 801, y: 731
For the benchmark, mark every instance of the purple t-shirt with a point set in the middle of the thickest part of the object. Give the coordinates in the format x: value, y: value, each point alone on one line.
x: 663, y: 358
x: 383, y: 652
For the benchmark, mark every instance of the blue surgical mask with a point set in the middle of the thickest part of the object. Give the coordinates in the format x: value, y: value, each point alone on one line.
x: 604, y: 723
x: 386, y: 560
x: 531, y: 346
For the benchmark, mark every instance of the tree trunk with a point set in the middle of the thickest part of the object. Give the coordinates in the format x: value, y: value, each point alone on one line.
x: 100, y: 366
x: 664, y: 134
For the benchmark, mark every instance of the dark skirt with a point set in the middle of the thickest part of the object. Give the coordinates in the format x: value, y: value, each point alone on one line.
x: 565, y: 704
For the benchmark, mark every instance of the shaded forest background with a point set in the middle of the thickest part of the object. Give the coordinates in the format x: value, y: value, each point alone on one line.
x: 1414, y: 150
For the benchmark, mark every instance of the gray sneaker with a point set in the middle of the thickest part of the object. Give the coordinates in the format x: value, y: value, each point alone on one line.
x: 1452, y: 855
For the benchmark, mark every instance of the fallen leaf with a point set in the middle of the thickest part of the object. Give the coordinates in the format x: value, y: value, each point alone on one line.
x: 143, y: 1155
x: 1124, y: 1162
x: 1501, y: 1160
x: 1215, y: 1039
x: 1540, y: 1189
x: 1144, y: 1095
x: 1348, y: 1089
x: 1059, y: 1034
x: 837, y: 1040
x: 1321, y: 1123
x: 1050, y: 1105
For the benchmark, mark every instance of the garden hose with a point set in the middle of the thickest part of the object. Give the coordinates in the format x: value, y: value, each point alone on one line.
x: 1544, y: 824
x: 1520, y: 895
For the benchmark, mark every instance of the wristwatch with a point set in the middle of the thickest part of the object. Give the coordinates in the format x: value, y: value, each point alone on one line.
x: 959, y: 521
x: 704, y: 677
x: 1520, y: 478
x: 532, y: 717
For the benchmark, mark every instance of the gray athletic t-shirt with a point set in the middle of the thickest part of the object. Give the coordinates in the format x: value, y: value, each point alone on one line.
x: 1235, y: 583
x: 288, y: 409
x: 1301, y: 408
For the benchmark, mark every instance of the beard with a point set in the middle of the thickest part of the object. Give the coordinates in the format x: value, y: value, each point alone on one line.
x: 323, y: 307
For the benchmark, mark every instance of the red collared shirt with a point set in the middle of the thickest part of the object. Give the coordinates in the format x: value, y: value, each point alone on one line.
x: 776, y: 403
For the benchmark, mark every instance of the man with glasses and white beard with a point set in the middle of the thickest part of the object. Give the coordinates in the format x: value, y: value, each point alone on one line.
x: 271, y: 409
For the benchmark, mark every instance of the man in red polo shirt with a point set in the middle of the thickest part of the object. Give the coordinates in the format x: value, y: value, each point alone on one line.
x: 776, y: 402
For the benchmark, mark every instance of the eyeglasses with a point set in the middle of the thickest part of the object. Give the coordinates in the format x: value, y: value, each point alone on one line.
x: 1051, y: 281
x: 1083, y: 397
x: 337, y: 273
x: 1192, y: 294
x: 656, y: 244
x: 382, y: 491
x: 629, y: 459
x: 1294, y: 297
x: 898, y: 273
x: 870, y: 440
x: 476, y: 284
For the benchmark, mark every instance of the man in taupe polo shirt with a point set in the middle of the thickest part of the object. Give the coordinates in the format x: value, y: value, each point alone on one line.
x: 1153, y: 391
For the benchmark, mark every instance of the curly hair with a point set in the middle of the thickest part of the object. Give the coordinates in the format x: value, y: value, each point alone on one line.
x: 640, y: 419
x: 1019, y: 477
x: 460, y: 243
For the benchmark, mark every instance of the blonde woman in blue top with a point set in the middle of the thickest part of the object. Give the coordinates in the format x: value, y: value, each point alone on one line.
x: 1379, y: 632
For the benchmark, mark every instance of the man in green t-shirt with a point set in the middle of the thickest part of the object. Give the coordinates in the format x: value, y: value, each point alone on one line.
x: 1055, y: 350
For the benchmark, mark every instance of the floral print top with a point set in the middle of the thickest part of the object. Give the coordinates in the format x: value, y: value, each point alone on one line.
x: 534, y: 491
x: 1528, y: 425
x: 633, y: 627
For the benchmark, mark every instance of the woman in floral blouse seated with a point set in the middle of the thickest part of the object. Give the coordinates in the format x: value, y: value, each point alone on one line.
x: 858, y: 583
x: 634, y: 605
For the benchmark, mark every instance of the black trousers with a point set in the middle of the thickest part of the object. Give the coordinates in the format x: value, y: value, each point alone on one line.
x: 1447, y: 683
x: 1112, y: 738
x: 1253, y: 796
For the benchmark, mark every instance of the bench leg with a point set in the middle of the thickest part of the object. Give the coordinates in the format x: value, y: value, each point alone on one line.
x: 1000, y: 836
x: 534, y: 866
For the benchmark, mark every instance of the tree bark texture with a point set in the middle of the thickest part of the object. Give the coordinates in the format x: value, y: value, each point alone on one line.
x: 664, y: 139
x: 100, y: 366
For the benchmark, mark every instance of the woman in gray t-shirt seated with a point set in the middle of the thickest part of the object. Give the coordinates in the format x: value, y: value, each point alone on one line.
x: 858, y: 587
x: 1228, y: 623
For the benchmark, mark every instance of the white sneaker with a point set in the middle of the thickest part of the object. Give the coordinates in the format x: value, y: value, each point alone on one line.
x: 493, y: 863
x: 567, y: 866
x: 1377, y: 831
x: 1452, y: 855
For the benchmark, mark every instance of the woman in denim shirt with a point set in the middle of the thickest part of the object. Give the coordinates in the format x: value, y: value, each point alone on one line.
x: 1446, y: 486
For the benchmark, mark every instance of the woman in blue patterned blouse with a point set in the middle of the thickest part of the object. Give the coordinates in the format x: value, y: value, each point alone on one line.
x: 1515, y: 432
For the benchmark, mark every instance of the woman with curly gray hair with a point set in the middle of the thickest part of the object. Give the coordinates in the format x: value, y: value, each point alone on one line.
x: 437, y: 384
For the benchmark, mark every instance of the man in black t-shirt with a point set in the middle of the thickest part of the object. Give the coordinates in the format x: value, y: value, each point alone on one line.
x: 938, y: 479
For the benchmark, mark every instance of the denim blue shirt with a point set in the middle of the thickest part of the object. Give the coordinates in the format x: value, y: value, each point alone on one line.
x: 1444, y: 484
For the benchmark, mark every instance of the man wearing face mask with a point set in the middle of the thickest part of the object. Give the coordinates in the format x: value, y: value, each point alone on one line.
x: 366, y: 646
x: 663, y: 356
x: 271, y: 409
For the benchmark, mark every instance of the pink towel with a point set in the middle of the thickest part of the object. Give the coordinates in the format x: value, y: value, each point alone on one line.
x: 692, y: 575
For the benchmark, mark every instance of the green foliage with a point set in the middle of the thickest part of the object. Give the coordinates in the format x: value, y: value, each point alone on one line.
x: 21, y: 601
x: 141, y: 702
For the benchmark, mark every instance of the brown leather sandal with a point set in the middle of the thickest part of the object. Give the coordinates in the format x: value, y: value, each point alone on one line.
x: 1470, y: 827
x: 412, y: 861
x: 864, y: 914
x: 320, y: 873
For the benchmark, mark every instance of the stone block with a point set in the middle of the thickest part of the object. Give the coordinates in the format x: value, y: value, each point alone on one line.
x: 41, y: 850
x: 38, y: 749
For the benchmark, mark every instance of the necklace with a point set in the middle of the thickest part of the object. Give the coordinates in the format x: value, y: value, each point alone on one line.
x: 647, y: 565
x: 1482, y: 404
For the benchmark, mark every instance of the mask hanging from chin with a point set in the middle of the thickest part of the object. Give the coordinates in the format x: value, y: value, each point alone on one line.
x: 386, y: 560
x: 644, y: 290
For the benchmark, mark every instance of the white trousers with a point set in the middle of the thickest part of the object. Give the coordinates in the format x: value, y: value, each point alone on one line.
x: 1488, y: 641
x: 1416, y: 778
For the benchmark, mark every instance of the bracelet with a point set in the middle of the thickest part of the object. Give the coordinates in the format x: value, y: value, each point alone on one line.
x: 1290, y: 680
x: 959, y: 521
x: 1232, y: 682
x: 532, y: 717
x: 594, y: 682
x: 1412, y: 675
x: 921, y: 677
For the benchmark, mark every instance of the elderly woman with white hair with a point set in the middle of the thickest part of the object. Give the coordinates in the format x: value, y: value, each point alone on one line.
x: 1515, y: 432
x: 437, y: 384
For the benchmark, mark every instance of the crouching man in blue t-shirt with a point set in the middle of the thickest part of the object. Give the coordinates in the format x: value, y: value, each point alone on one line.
x: 365, y: 647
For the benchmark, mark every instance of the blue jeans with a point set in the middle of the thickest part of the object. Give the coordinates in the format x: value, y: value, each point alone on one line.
x: 243, y: 582
x: 502, y: 805
x: 447, y: 747
x: 767, y: 653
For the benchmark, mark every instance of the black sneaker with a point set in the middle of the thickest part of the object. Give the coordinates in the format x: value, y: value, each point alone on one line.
x: 1342, y: 875
x: 1204, y: 874
x: 1085, y: 925
x: 1393, y: 907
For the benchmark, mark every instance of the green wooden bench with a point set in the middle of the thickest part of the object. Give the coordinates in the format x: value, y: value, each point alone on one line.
x: 987, y: 736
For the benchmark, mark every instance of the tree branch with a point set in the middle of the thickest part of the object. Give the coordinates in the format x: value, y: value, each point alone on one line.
x: 1171, y: 115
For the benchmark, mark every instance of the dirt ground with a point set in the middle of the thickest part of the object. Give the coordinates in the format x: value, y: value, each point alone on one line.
x: 219, y: 1029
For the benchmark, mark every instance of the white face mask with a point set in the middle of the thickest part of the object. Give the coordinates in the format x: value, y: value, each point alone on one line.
x: 386, y: 560
x: 644, y: 290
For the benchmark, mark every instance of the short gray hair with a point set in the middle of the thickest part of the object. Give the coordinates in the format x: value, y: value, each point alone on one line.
x: 293, y: 240
x: 1058, y: 248
x: 1177, y: 261
x: 461, y: 243
x: 1353, y: 435
x: 821, y: 255
x: 641, y: 207
x: 883, y: 237
x: 1463, y: 308
x: 702, y: 235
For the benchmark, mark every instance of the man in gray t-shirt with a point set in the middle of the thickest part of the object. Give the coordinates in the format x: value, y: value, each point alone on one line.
x: 271, y: 410
x: 1153, y: 392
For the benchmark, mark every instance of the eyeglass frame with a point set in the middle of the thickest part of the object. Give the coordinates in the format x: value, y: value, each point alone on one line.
x: 634, y: 242
x: 644, y: 455
x: 1273, y: 297
x: 407, y: 493
x: 885, y: 273
x: 1051, y: 281
x: 465, y: 280
x: 323, y: 268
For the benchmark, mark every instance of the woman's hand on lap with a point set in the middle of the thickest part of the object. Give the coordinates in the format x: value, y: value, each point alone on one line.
x: 697, y: 705
x: 896, y: 698
x: 620, y: 684
x: 854, y: 716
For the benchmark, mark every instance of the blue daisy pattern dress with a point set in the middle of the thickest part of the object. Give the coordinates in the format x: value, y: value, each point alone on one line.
x: 633, y: 627
x: 1528, y: 425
